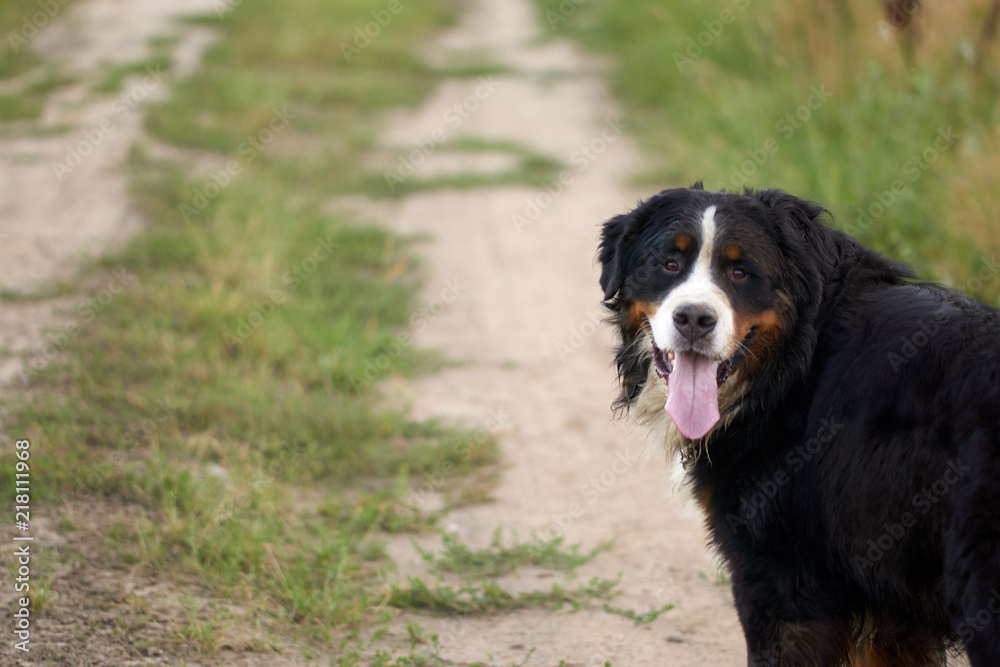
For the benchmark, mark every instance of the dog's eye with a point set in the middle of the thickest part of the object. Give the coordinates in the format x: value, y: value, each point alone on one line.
x: 738, y: 275
x: 672, y: 266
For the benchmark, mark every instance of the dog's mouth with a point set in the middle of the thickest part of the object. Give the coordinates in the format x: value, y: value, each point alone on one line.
x: 693, y: 382
x: 663, y: 362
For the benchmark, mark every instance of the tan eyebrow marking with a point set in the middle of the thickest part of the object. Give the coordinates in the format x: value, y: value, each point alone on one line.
x: 731, y: 252
x: 683, y: 242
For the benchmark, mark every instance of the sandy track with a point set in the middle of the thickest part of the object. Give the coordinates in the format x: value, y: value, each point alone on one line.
x: 525, y: 318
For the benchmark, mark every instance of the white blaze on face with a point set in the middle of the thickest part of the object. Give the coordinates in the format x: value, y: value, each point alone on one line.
x: 692, y: 399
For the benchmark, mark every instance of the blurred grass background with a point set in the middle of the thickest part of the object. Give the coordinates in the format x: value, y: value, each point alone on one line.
x: 707, y: 84
x: 259, y: 466
x: 20, y: 22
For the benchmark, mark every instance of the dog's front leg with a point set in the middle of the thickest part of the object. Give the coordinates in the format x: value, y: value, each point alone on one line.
x: 816, y: 643
x: 781, y: 632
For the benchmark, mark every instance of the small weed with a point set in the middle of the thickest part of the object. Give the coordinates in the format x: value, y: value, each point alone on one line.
x: 721, y: 578
x: 647, y: 617
x: 117, y: 74
x: 42, y: 594
x: 498, y: 560
x: 490, y: 598
x: 28, y: 103
x: 207, y: 634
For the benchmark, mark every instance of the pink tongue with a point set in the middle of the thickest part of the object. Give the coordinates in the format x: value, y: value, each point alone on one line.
x: 693, y: 396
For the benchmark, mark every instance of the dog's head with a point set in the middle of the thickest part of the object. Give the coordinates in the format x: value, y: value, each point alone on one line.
x: 708, y: 290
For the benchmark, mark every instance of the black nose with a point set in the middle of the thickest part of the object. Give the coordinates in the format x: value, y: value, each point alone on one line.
x: 695, y: 321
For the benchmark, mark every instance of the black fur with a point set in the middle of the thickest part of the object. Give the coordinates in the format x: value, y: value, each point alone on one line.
x: 855, y: 496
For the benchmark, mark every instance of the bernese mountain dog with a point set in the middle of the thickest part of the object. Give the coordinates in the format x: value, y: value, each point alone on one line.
x: 837, y: 420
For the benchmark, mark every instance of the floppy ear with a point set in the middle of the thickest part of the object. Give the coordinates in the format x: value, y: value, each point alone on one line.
x: 611, y: 253
x: 803, y: 219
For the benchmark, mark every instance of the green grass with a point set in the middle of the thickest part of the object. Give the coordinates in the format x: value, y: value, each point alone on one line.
x: 29, y: 102
x: 117, y: 74
x: 530, y: 168
x: 639, y: 618
x: 20, y: 22
x: 721, y: 578
x: 497, y: 560
x: 477, y: 594
x: 213, y: 374
x: 424, y: 651
x: 489, y: 597
x: 724, y: 111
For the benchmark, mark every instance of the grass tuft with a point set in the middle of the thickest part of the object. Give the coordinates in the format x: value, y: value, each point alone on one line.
x: 639, y: 618
x: 490, y: 598
x: 498, y: 560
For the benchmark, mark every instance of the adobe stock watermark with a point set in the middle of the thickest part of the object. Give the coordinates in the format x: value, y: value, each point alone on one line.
x: 363, y: 35
x: 785, y: 651
x: 436, y: 480
x: 607, y: 650
x: 292, y: 280
x: 376, y: 366
x: 786, y: 126
x: 248, y: 151
x: 137, y: 432
x: 913, y: 169
x: 456, y: 635
x: 981, y: 620
x: 901, y: 12
x: 767, y: 489
x: 578, y: 335
x: 590, y: 492
x: 922, y: 503
x: 565, y: 10
x: 581, y: 159
x: 714, y: 28
x: 911, y: 345
x: 32, y: 25
x: 223, y: 7
x: 121, y: 108
x: 243, y: 504
x: 458, y: 113
x: 87, y: 310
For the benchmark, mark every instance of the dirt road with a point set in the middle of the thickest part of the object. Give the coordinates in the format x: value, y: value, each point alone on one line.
x: 518, y: 266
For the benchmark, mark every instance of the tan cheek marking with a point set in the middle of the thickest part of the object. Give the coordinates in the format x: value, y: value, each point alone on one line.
x: 769, y: 325
x: 683, y: 242
x: 641, y: 309
x: 731, y: 252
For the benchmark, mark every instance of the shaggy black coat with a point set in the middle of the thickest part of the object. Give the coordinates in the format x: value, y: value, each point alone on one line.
x: 855, y: 494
